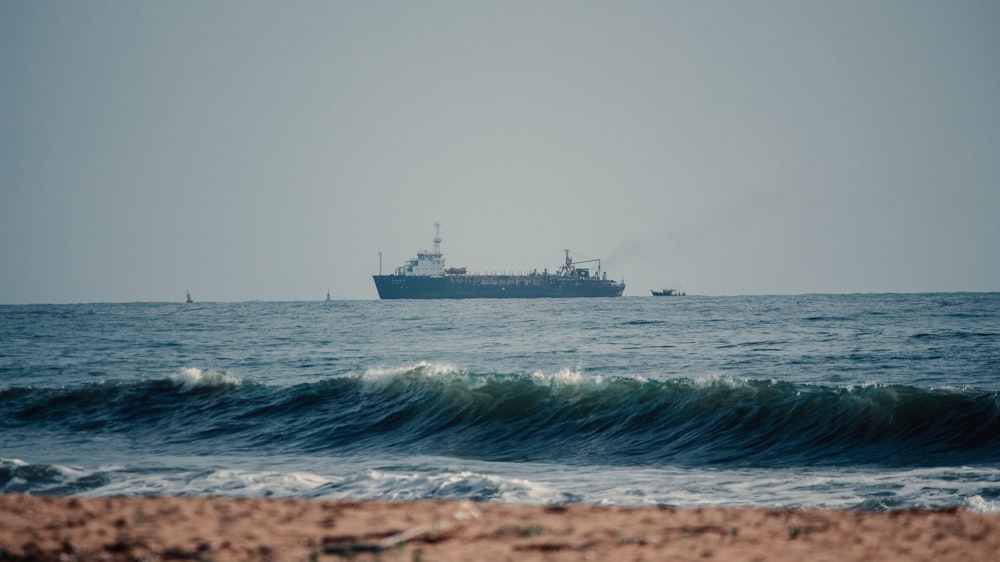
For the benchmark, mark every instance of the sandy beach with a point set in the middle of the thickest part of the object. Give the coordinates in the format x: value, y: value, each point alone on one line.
x: 224, y: 529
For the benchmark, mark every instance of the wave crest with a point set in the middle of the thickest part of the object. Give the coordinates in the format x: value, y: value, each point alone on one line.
x: 380, y: 377
x: 566, y: 377
x: 191, y: 378
x: 436, y: 409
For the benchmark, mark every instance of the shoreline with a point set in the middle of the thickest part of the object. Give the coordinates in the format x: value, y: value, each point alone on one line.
x: 219, y: 529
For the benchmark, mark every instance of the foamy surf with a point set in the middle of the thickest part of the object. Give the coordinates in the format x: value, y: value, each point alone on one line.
x: 191, y: 378
x: 443, y: 484
x: 566, y: 377
x: 379, y: 377
x: 980, y: 505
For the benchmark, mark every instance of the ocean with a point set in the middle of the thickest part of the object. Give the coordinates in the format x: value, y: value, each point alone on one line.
x: 863, y: 402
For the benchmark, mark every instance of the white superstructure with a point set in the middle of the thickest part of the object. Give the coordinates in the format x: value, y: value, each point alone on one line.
x: 427, y: 263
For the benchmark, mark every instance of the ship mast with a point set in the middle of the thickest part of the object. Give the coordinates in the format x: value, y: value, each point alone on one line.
x: 437, y: 238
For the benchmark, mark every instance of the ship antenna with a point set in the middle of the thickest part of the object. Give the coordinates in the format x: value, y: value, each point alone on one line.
x: 437, y: 238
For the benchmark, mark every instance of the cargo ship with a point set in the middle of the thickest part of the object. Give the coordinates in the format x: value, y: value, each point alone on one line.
x: 426, y: 277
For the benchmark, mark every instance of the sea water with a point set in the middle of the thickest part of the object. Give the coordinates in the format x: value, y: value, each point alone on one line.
x: 836, y: 401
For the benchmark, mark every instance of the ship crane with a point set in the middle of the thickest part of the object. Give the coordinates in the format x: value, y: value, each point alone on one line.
x: 569, y: 267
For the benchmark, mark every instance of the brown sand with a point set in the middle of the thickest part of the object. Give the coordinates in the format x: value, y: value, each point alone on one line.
x: 259, y: 530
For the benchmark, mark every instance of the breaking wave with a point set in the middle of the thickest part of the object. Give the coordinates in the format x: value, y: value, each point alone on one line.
x: 566, y: 416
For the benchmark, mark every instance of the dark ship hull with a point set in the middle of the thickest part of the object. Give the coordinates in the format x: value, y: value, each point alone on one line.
x: 493, y: 287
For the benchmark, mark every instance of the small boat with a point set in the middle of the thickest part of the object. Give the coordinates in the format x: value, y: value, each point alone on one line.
x: 668, y: 293
x: 328, y: 295
x: 189, y: 297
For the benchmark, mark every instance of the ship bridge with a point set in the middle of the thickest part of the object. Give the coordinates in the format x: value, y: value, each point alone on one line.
x: 429, y: 263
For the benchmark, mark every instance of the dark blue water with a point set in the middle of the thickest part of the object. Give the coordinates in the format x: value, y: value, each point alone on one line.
x: 842, y: 401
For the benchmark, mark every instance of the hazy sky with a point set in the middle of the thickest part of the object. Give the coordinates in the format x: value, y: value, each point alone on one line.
x: 269, y: 150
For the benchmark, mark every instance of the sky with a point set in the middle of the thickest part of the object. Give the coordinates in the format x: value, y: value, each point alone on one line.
x: 247, y: 150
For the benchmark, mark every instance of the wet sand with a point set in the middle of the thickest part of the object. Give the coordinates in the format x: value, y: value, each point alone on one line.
x: 261, y: 530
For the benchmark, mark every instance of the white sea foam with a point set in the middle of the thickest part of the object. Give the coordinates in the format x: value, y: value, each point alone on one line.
x: 720, y: 380
x: 446, y: 484
x: 229, y: 482
x: 190, y: 378
x: 353, y: 480
x: 249, y: 483
x: 379, y: 377
x: 23, y: 477
x: 566, y: 376
x: 415, y: 478
x: 980, y: 505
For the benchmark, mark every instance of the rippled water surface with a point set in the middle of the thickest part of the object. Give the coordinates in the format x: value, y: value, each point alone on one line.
x: 843, y: 401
